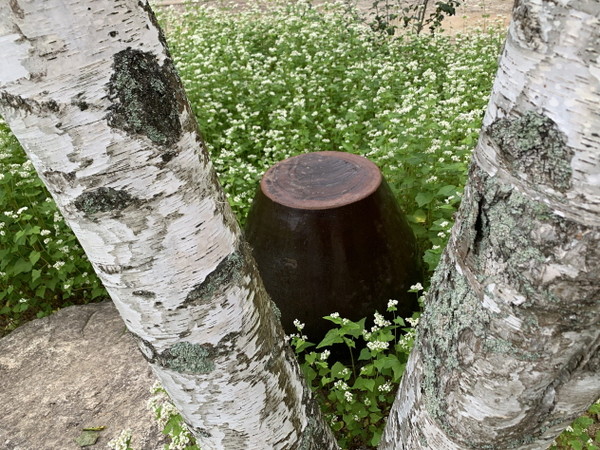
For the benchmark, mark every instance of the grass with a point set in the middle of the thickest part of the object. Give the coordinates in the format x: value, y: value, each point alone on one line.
x: 267, y: 86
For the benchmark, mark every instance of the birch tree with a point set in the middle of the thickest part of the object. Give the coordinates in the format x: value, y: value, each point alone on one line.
x: 91, y: 93
x: 508, y: 352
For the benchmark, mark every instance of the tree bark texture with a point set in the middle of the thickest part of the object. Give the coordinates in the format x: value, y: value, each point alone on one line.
x: 509, y: 344
x: 91, y: 93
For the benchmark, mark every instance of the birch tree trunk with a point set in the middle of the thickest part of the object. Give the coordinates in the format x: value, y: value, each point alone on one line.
x: 91, y: 93
x: 509, y: 345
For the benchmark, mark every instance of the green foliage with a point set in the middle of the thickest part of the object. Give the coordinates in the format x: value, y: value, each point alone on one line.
x: 356, y: 397
x: 583, y: 433
x: 42, y: 266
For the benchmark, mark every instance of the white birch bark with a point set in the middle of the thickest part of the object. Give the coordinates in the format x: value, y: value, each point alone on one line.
x: 89, y: 90
x: 509, y: 345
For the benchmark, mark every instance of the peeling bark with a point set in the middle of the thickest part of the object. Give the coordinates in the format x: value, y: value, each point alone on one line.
x: 508, y: 349
x: 91, y: 93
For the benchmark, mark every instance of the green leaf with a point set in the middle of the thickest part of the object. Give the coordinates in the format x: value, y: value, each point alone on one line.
x: 423, y: 198
x: 447, y: 191
x: 365, y: 354
x: 35, y: 274
x: 87, y: 438
x: 34, y: 257
x: 21, y: 266
x: 309, y: 373
x: 432, y: 259
x: 332, y: 337
x: 576, y: 444
x: 376, y: 438
x: 364, y: 384
x: 40, y: 291
x: 19, y: 235
x: 338, y: 370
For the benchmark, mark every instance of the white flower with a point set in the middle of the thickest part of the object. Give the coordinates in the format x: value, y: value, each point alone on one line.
x: 334, y: 315
x: 325, y: 355
x: 122, y: 441
x: 45, y: 232
x: 22, y: 300
x: 416, y: 287
x: 380, y: 321
x: 392, y: 303
x: 413, y: 322
x: 348, y: 396
x: 387, y: 387
x: 444, y: 224
x: 299, y: 325
x: 341, y: 385
x: 377, y: 345
x: 58, y: 264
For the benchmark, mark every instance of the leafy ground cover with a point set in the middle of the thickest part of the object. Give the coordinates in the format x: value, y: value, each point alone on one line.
x: 267, y: 85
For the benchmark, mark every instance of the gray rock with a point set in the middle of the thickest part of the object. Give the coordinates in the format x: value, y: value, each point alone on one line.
x: 76, y: 369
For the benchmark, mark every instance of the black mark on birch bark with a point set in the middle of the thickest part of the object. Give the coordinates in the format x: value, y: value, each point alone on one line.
x: 527, y: 25
x: 59, y: 180
x: 145, y: 294
x: 161, y: 37
x: 112, y: 269
x: 103, y: 199
x: 80, y: 102
x: 534, y: 145
x: 16, y: 9
x: 19, y: 103
x: 147, y: 98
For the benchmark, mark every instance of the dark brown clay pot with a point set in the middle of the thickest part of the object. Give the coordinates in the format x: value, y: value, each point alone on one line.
x: 328, y: 236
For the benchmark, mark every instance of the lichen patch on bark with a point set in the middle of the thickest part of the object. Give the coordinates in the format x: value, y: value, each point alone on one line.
x: 457, y: 311
x: 226, y: 271
x: 146, y: 97
x: 185, y: 357
x: 534, y: 145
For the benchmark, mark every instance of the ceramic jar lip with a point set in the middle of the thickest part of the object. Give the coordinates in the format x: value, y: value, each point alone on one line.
x: 321, y: 180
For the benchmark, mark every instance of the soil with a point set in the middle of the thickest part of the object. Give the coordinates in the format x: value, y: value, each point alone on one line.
x: 470, y: 14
